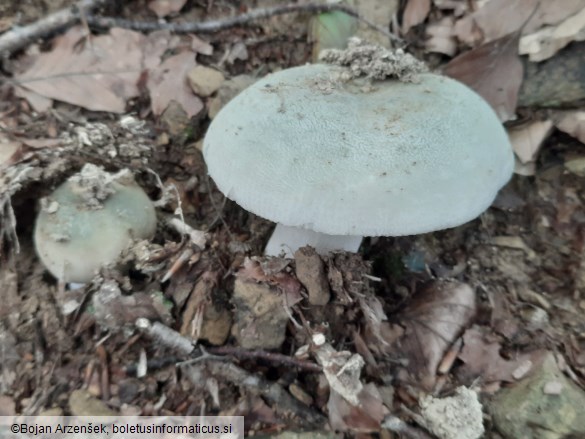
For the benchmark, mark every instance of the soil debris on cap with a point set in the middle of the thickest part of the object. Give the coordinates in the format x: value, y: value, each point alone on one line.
x: 374, y: 61
x: 96, y: 185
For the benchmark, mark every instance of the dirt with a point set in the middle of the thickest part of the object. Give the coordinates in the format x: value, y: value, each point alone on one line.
x: 523, y: 259
x: 374, y: 62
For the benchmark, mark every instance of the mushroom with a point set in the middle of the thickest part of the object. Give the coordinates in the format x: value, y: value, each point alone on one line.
x: 88, y: 220
x: 332, y: 158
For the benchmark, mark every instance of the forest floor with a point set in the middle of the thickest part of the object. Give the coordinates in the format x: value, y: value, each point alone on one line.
x: 483, y: 323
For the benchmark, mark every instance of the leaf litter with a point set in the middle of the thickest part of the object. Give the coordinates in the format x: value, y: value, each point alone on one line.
x: 494, y: 71
x: 432, y: 321
x: 415, y: 13
x: 353, y: 318
x: 102, y: 73
x: 99, y: 74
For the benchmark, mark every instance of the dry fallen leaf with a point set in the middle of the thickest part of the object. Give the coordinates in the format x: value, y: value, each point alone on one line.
x: 527, y: 139
x: 168, y: 82
x: 365, y: 417
x: 8, y: 149
x: 99, y: 75
x: 433, y: 320
x: 342, y: 371
x: 289, y: 285
x: 572, y: 123
x: 547, y: 41
x: 415, y: 13
x: 39, y: 103
x: 440, y: 37
x: 201, y: 46
x: 481, y: 355
x: 494, y: 71
x: 488, y: 23
x: 162, y: 8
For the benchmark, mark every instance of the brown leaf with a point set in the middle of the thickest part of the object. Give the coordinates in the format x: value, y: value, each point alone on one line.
x: 114, y: 310
x: 433, y: 320
x: 491, y: 22
x: 200, y: 46
x: 98, y: 74
x: 494, y: 24
x: 289, y: 285
x: 168, y: 82
x: 547, y: 41
x: 527, y: 139
x: 39, y: 103
x: 415, y: 13
x: 155, y: 45
x: 8, y: 149
x: 481, y: 355
x: 572, y: 123
x: 494, y: 71
x: 251, y: 271
x: 365, y: 417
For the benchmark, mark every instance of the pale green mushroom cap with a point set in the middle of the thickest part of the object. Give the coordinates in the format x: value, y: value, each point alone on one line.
x: 88, y: 220
x: 305, y: 147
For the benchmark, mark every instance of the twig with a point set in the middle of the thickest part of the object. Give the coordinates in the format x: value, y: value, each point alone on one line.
x: 20, y: 37
x: 166, y: 336
x: 239, y: 20
x: 273, y: 392
x: 268, y: 356
x: 282, y: 402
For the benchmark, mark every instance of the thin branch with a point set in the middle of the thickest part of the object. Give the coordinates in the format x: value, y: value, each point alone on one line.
x: 19, y: 37
x: 268, y: 356
x: 229, y: 22
x: 282, y: 402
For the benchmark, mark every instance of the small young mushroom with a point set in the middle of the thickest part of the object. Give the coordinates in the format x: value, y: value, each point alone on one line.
x: 332, y: 158
x: 88, y: 220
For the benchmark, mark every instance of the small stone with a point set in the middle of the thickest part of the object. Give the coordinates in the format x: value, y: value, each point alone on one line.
x: 205, y: 81
x: 260, y: 318
x: 217, y: 322
x: 515, y: 409
x: 454, y: 417
x: 553, y: 388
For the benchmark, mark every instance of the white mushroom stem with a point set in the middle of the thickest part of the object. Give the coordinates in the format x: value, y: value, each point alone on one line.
x: 287, y: 240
